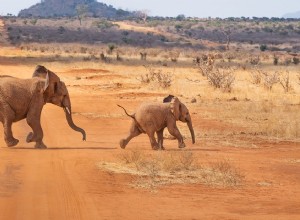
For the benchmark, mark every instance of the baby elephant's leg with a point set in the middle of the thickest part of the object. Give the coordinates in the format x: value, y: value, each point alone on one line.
x: 160, y: 138
x: 153, y: 141
x: 7, y: 117
x: 172, y: 128
x: 134, y: 131
x: 8, y: 135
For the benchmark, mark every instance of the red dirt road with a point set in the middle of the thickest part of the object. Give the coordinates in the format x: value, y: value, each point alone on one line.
x: 63, y: 181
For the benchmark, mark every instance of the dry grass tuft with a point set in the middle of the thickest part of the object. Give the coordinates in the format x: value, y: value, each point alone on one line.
x: 165, y: 168
x: 223, y: 173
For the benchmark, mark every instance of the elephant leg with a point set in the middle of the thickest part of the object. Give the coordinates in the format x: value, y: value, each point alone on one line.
x: 7, y: 117
x: 8, y: 135
x: 172, y: 128
x: 37, y: 134
x: 160, y: 138
x: 153, y: 141
x: 134, y: 131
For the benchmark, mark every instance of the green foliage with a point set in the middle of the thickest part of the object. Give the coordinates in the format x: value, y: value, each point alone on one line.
x: 104, y: 24
x: 127, y: 40
x: 61, y: 30
x: 295, y: 60
x: 178, y: 27
x: 33, y: 21
x: 163, y: 38
x: 81, y: 11
x: 263, y: 47
x: 275, y: 60
x: 180, y: 17
x: 111, y: 48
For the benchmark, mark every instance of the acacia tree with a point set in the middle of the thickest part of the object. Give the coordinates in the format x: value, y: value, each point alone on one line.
x: 143, y: 14
x: 227, y: 33
x: 81, y: 11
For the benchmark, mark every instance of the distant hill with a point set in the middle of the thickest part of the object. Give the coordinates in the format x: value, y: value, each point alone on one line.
x: 62, y: 8
x: 292, y: 15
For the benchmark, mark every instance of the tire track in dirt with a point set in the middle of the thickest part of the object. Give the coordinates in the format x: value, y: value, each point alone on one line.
x: 46, y: 190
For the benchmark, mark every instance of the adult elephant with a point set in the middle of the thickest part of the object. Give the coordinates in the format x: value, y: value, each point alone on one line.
x: 25, y: 98
x: 151, y: 118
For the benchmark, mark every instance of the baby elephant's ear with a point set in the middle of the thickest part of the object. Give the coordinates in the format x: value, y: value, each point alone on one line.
x: 40, y: 71
x: 168, y: 98
x: 46, y: 82
x: 38, y: 87
x: 175, y: 106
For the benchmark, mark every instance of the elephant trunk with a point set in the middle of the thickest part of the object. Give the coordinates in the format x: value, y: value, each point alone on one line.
x: 68, y: 112
x: 189, y: 123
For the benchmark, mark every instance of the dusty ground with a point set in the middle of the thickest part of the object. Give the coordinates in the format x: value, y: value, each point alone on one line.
x: 64, y: 182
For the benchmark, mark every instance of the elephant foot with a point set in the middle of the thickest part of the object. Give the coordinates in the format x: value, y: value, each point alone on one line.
x: 182, y: 145
x: 40, y: 146
x: 122, y: 144
x: 161, y: 148
x: 156, y: 148
x: 13, y: 142
x: 29, y: 137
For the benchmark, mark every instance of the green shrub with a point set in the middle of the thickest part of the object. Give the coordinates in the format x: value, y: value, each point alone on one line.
x: 33, y: 21
x: 263, y: 47
x: 275, y: 60
x: 295, y: 60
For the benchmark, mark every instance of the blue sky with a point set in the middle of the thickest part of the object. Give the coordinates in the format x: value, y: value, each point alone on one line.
x: 197, y: 8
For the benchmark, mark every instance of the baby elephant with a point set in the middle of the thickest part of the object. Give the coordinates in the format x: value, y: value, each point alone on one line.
x: 151, y: 118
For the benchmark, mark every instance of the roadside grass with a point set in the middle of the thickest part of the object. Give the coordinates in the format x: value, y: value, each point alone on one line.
x: 152, y: 171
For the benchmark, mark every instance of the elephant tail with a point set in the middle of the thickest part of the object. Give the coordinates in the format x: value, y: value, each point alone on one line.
x: 131, y: 116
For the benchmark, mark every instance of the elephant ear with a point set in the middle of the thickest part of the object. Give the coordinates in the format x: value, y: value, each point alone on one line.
x: 168, y: 98
x: 42, y: 72
x: 175, y: 106
x: 51, y: 81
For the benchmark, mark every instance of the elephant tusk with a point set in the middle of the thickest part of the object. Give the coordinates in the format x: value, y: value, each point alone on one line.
x: 68, y: 110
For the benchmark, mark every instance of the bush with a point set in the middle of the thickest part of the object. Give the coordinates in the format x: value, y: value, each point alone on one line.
x: 287, y: 61
x: 256, y: 76
x: 104, y: 24
x: 255, y: 60
x: 220, y: 78
x: 164, y: 80
x: 263, y: 47
x: 33, y: 21
x: 296, y: 60
x: 111, y: 48
x: 275, y: 60
x: 61, y: 30
x: 285, y: 81
x: 270, y: 79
